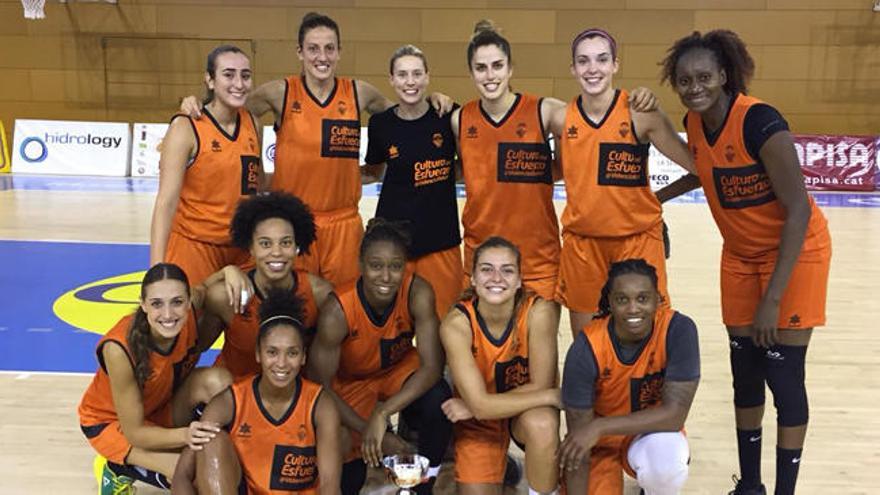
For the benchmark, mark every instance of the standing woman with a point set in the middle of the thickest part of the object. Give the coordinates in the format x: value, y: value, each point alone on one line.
x: 137, y: 412
x: 414, y: 149
x: 206, y: 166
x: 777, y: 249
x: 500, y: 342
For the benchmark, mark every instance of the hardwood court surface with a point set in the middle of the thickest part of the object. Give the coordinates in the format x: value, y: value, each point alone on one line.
x: 43, y: 450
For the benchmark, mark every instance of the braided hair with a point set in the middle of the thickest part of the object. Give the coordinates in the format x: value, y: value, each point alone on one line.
x: 633, y: 265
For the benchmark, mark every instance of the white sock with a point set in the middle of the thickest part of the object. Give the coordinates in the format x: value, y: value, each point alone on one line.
x: 532, y: 491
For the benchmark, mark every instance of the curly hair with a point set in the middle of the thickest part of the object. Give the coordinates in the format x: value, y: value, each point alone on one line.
x: 633, y: 265
x: 486, y: 34
x: 281, y: 307
x: 275, y: 204
x: 381, y: 229
x: 729, y: 51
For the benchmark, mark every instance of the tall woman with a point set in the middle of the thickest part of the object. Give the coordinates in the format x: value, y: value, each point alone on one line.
x: 206, y: 166
x: 414, y: 149
x: 777, y: 249
x: 137, y: 412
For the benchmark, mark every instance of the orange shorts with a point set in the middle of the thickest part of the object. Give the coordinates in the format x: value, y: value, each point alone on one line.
x: 584, y: 264
x: 608, y: 462
x: 481, y: 450
x: 108, y: 440
x: 743, y: 283
x: 544, y: 285
x: 443, y: 270
x: 363, y: 394
x: 334, y: 254
x: 200, y: 259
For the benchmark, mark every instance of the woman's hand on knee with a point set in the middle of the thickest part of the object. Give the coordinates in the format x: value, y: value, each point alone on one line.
x: 199, y: 433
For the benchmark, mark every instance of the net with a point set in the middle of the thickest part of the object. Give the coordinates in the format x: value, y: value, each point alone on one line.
x: 33, y: 9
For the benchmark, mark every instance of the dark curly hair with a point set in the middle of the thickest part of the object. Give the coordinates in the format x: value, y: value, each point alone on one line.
x: 275, y: 204
x: 633, y: 265
x: 281, y: 307
x: 729, y: 51
x: 382, y: 229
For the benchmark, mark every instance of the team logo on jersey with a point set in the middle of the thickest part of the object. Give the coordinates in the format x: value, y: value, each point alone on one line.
x: 624, y: 129
x: 392, y: 351
x: 215, y: 145
x: 296, y: 107
x: 794, y: 321
x: 511, y: 374
x: 472, y: 131
x: 301, y: 432
x: 524, y: 162
x: 742, y: 187
x: 437, y: 139
x: 342, y: 107
x: 244, y: 430
x: 393, y: 152
x: 572, y: 132
x: 623, y: 164
x: 428, y: 172
x: 252, y: 145
x: 294, y: 468
x: 521, y: 129
x: 646, y: 391
x: 729, y: 154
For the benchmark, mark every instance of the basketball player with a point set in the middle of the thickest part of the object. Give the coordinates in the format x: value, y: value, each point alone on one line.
x: 280, y: 431
x: 611, y: 213
x: 500, y: 341
x: 777, y: 249
x: 206, y: 166
x: 273, y: 227
x: 414, y: 149
x: 317, y: 117
x: 630, y: 378
x: 364, y: 350
x: 137, y: 411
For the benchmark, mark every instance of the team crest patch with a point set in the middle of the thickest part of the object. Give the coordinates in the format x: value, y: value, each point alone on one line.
x: 521, y: 129
x: 729, y: 154
x: 342, y: 107
x: 624, y: 129
x: 437, y: 139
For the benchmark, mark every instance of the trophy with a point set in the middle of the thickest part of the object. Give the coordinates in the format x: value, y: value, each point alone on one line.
x: 406, y: 471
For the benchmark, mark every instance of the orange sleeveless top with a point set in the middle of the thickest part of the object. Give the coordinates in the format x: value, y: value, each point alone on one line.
x: 239, y: 345
x: 318, y: 146
x: 503, y: 362
x: 225, y: 169
x: 375, y: 343
x: 277, y: 456
x: 509, y: 184
x: 606, y: 174
x: 169, y: 370
x: 739, y: 191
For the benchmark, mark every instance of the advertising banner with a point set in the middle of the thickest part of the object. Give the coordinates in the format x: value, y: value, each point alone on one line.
x: 70, y: 148
x: 837, y: 163
x: 662, y: 170
x: 5, y: 166
x: 146, y: 140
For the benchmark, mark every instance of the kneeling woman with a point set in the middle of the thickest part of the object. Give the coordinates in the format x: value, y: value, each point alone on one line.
x: 138, y: 409
x: 501, y: 347
x: 630, y: 415
x: 281, y: 430
x: 365, y: 340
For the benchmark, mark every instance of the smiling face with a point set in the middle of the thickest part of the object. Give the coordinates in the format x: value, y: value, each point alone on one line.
x: 166, y: 304
x: 594, y: 65
x: 491, y: 72
x: 633, y: 300
x: 319, y: 53
x: 232, y: 79
x: 281, y: 354
x: 274, y: 248
x: 409, y: 78
x: 382, y: 267
x: 496, y: 276
x: 699, y: 80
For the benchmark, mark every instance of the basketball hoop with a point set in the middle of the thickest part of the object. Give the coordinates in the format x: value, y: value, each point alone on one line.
x: 33, y: 9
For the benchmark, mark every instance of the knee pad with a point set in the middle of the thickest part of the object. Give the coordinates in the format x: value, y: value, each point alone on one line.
x: 660, y: 461
x: 785, y: 376
x: 748, y: 368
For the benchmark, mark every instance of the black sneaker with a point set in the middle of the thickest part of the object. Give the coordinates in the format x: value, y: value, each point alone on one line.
x: 740, y: 489
x: 513, y: 472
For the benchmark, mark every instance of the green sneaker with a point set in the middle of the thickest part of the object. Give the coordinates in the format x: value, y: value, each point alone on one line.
x: 114, y: 484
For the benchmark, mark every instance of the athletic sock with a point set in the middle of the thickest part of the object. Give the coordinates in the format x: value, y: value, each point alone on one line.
x: 788, y: 462
x: 141, y: 474
x: 749, y: 447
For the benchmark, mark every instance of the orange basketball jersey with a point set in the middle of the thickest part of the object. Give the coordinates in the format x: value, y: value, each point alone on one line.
x: 239, y: 346
x: 225, y: 168
x: 168, y: 371
x: 739, y: 191
x: 318, y: 146
x: 503, y: 362
x: 375, y: 343
x: 606, y: 174
x: 509, y: 184
x: 277, y: 456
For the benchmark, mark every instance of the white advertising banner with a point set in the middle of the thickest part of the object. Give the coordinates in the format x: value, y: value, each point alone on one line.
x: 663, y: 170
x: 145, y: 142
x: 71, y: 148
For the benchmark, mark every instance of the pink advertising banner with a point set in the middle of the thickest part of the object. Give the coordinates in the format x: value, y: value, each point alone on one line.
x: 838, y: 163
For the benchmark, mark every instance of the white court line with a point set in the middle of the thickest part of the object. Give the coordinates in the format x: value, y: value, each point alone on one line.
x: 27, y: 374
x: 75, y: 241
x: 40, y: 330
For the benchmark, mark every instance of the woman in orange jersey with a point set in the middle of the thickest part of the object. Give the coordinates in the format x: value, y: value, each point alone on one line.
x: 364, y: 349
x: 500, y: 342
x: 630, y: 378
x: 137, y: 412
x: 206, y: 166
x: 777, y: 249
x: 611, y: 213
x: 274, y: 227
x: 280, y: 431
